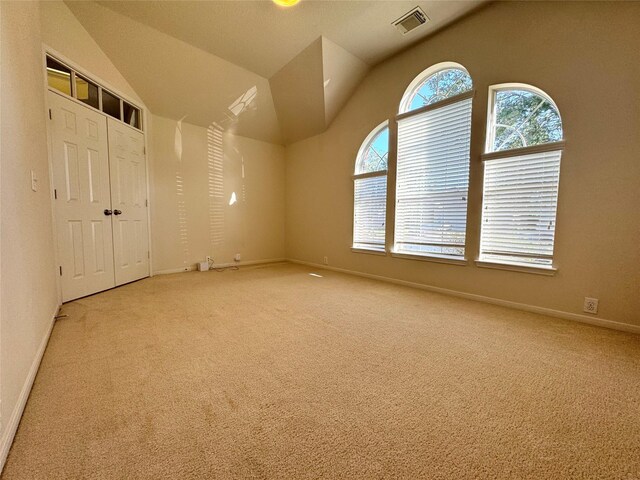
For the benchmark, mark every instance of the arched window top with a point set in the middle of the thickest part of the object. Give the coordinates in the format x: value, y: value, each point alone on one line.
x: 435, y: 84
x: 522, y: 116
x: 374, y: 152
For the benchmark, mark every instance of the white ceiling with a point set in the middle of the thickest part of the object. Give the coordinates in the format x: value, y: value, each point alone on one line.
x: 263, y: 37
x: 194, y: 59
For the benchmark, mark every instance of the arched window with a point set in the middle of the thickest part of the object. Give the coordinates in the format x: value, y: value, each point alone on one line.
x: 442, y: 81
x: 370, y: 191
x: 434, y: 133
x: 523, y: 117
x: 521, y: 175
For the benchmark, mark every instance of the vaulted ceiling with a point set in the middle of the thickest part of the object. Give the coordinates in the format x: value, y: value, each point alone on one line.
x: 255, y: 69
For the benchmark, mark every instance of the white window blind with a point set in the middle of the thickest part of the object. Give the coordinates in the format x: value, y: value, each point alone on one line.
x: 432, y: 181
x: 370, y: 203
x: 519, y: 209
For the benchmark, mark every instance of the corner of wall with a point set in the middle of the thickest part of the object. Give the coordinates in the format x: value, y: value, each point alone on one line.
x: 27, y: 284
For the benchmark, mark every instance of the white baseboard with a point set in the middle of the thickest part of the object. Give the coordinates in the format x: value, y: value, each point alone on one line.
x: 249, y: 263
x: 174, y: 270
x: 601, y: 322
x: 11, y: 426
x: 223, y: 265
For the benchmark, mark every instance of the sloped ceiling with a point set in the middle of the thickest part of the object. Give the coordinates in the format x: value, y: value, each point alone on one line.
x: 257, y: 70
x: 179, y: 81
x: 309, y: 91
x: 342, y: 72
x: 298, y: 93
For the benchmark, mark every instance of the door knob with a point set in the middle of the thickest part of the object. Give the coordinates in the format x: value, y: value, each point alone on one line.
x: 117, y: 212
x: 107, y: 211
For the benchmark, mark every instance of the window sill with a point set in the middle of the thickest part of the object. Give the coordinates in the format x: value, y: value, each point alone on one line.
x: 429, y: 258
x: 547, y: 271
x: 368, y: 251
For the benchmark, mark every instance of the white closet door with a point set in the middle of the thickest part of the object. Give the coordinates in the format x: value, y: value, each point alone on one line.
x: 81, y: 180
x: 129, y: 200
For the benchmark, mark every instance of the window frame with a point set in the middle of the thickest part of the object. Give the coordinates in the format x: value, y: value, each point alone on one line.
x: 490, y: 154
x: 89, y: 78
x: 421, y: 78
x: 379, y: 173
x: 490, y: 132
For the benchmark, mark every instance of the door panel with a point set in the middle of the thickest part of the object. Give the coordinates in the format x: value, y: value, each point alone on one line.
x: 97, y: 236
x: 129, y: 195
x: 139, y: 240
x: 96, y: 195
x: 77, y: 247
x: 122, y: 229
x: 72, y: 171
x: 80, y: 155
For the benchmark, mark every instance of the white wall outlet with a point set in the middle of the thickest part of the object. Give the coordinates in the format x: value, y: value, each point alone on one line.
x: 326, y: 260
x: 209, y: 258
x: 34, y: 181
x: 236, y: 257
x: 590, y: 305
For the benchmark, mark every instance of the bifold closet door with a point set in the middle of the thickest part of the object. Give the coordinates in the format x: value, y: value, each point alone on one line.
x: 80, y: 156
x: 129, y: 200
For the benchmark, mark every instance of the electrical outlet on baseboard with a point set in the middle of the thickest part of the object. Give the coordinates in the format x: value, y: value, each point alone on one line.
x: 236, y: 257
x: 590, y: 305
x: 326, y: 260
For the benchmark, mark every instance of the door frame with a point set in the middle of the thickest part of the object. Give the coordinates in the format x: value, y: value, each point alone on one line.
x: 47, y: 50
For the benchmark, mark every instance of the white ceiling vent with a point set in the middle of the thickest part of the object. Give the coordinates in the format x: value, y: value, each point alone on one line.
x: 411, y: 20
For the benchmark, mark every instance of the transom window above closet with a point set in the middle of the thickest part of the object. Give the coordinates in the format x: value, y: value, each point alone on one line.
x: 66, y: 80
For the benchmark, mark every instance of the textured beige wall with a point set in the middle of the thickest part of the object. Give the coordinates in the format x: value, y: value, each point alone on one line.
x: 194, y: 173
x: 582, y: 54
x: 62, y: 31
x: 27, y: 285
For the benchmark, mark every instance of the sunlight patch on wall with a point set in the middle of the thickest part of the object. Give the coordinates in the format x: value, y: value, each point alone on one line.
x: 177, y: 142
x: 182, y: 218
x: 243, y: 183
x: 243, y: 101
x: 183, y: 232
x: 215, y: 185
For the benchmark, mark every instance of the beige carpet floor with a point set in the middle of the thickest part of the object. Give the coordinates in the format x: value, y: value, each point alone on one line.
x: 271, y: 373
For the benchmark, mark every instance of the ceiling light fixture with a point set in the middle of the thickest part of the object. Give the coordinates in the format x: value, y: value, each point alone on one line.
x: 285, y: 3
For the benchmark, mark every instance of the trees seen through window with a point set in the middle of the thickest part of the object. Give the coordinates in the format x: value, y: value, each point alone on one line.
x: 443, y: 84
x: 375, y: 156
x: 524, y: 119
